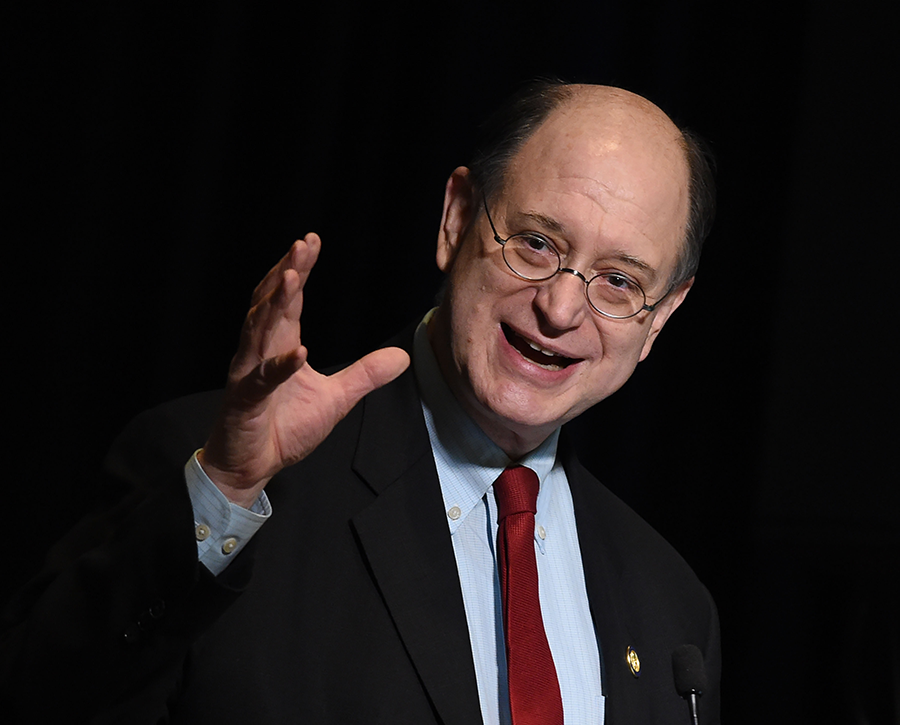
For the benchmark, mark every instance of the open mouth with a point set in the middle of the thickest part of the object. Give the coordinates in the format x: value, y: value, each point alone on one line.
x: 540, y: 356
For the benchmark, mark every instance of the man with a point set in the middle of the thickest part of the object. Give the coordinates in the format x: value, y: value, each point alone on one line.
x: 566, y: 249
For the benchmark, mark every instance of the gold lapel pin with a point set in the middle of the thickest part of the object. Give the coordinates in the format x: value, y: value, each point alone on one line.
x: 634, y: 662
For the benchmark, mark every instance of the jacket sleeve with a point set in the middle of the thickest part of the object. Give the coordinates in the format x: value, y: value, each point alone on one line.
x: 102, y: 633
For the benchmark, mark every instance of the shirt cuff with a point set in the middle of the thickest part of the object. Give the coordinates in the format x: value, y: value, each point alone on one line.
x: 222, y: 528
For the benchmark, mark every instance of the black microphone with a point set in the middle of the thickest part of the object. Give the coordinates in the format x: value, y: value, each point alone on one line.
x: 690, y: 677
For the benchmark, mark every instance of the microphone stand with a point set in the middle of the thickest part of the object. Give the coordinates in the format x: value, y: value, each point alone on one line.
x: 693, y: 701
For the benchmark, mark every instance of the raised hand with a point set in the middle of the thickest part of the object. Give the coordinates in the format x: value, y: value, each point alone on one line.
x: 277, y: 409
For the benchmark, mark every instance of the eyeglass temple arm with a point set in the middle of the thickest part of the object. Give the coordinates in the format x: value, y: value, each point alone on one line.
x: 650, y: 308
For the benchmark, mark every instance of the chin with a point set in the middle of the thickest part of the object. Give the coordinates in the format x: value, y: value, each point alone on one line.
x: 524, y: 414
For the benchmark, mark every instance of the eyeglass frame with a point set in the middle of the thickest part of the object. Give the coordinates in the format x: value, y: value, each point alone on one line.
x: 502, y: 242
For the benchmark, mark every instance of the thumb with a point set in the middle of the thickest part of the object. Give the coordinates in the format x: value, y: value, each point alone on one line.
x: 370, y: 372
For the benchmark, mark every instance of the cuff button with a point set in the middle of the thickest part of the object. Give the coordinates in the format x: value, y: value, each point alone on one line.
x: 229, y: 545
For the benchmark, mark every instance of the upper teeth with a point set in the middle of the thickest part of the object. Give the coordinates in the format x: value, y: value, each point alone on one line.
x: 533, y: 346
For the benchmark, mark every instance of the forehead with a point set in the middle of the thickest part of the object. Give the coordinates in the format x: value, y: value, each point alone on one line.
x: 612, y: 167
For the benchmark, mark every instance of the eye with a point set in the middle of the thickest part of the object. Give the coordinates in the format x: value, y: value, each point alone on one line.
x: 535, y: 242
x: 613, y: 285
x: 531, y: 256
x: 535, y: 248
x: 619, y: 281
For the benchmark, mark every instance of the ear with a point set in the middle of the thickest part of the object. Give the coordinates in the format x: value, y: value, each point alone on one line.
x: 459, y: 210
x: 663, y: 312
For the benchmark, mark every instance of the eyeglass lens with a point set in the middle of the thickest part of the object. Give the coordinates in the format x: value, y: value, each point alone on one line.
x: 532, y: 258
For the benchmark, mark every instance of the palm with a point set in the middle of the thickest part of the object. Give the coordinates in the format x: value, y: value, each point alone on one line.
x: 277, y: 407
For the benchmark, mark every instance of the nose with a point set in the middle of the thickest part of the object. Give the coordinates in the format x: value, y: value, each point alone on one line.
x: 562, y: 299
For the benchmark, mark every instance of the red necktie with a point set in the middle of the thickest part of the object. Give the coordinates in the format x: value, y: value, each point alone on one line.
x: 533, y: 688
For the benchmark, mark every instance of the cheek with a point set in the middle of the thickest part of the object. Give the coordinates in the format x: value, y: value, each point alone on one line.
x: 472, y: 333
x: 466, y: 326
x: 476, y: 297
x: 627, y: 337
x: 620, y: 348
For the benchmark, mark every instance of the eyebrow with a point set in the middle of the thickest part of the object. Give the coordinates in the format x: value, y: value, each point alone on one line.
x: 552, y: 225
x: 545, y: 221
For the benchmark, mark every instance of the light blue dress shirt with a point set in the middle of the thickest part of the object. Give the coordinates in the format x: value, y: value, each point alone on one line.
x: 468, y: 463
x: 222, y: 528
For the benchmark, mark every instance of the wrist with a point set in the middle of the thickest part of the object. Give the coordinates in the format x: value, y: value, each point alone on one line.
x: 238, y: 488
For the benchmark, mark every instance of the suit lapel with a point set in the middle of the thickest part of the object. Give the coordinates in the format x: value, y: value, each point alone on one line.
x: 405, y: 538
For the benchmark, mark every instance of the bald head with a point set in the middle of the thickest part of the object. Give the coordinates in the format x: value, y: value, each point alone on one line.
x: 612, y: 120
x: 616, y: 108
x: 617, y: 149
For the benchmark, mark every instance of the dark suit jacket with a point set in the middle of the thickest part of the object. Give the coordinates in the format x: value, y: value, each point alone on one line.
x: 345, y: 608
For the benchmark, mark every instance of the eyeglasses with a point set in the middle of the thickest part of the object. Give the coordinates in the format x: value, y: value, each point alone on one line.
x: 533, y: 257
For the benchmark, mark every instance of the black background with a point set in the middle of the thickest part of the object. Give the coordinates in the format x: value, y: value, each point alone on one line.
x: 161, y: 161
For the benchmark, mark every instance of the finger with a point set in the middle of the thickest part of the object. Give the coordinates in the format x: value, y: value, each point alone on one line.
x: 272, y: 327
x: 368, y: 373
x: 301, y: 258
x: 276, y: 322
x: 289, y: 302
x: 265, y: 378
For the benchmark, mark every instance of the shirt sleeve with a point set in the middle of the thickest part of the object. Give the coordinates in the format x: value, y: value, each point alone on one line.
x: 222, y: 528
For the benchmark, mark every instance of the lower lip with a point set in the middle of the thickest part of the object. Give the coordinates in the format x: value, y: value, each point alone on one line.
x: 530, y: 369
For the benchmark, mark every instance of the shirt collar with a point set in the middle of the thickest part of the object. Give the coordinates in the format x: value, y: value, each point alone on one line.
x: 468, y: 462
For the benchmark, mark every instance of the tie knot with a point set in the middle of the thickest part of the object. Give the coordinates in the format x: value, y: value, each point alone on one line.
x: 516, y: 491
